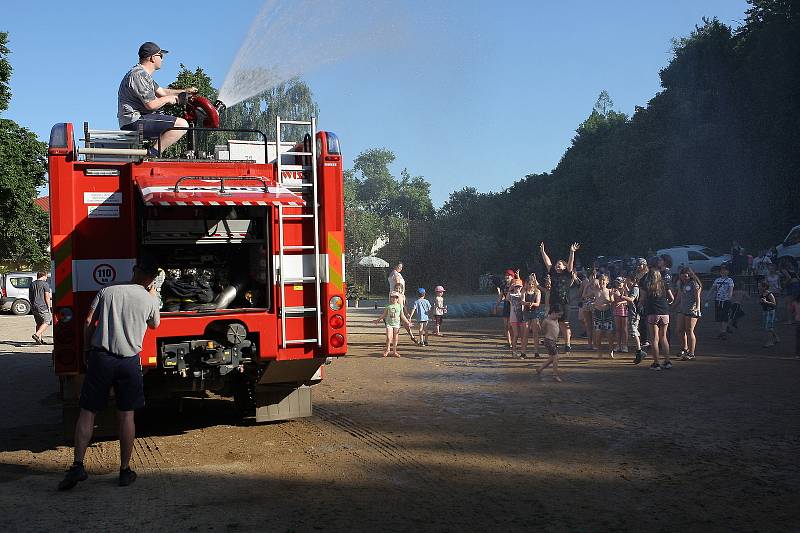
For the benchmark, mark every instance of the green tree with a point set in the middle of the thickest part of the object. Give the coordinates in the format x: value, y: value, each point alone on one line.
x: 186, y: 78
x: 23, y: 164
x: 377, y: 188
x: 291, y: 100
x: 377, y: 205
x: 24, y: 231
x: 5, y: 72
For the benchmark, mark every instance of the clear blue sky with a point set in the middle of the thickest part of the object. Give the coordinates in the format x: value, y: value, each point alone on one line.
x: 465, y: 93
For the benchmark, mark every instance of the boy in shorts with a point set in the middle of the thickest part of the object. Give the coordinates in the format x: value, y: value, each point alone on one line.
x: 722, y: 289
x: 421, y: 308
x: 550, y: 330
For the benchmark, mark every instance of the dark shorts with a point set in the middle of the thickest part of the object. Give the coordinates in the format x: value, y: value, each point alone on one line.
x: 42, y: 318
x: 105, y: 370
x: 551, y: 346
x: 506, y: 309
x: 154, y: 124
x: 721, y: 310
x: 564, y: 308
x: 602, y: 320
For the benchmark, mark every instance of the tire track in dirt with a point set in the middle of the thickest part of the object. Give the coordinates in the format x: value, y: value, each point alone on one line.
x: 381, y: 443
x: 492, y: 506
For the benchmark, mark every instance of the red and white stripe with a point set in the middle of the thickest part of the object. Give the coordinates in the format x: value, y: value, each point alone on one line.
x: 201, y: 195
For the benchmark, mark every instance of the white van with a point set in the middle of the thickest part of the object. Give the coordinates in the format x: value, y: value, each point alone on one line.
x: 789, y: 250
x: 701, y: 259
x: 14, y: 292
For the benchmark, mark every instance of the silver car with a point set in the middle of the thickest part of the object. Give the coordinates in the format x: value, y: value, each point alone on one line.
x: 14, y: 292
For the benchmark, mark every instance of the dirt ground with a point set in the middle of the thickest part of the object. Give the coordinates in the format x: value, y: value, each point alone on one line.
x: 454, y: 436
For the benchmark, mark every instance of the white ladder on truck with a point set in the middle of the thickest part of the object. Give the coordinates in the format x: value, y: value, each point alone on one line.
x: 307, y: 188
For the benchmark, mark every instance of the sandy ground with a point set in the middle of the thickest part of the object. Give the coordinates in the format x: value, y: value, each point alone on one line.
x: 454, y: 436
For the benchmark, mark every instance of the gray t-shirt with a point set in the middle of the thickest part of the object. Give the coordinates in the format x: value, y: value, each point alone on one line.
x: 36, y: 294
x: 136, y: 88
x: 123, y: 313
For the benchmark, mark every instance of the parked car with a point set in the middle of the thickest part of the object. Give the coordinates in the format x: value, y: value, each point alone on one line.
x: 14, y: 292
x: 702, y: 259
x: 789, y: 250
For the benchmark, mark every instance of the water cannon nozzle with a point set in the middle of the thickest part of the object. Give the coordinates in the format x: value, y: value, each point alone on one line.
x: 220, y: 106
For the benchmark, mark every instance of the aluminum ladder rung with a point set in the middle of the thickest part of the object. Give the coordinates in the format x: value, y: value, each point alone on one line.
x: 297, y: 154
x: 299, y: 341
x: 298, y: 310
x: 299, y: 215
x: 299, y: 247
x: 297, y: 122
x: 295, y: 167
x: 290, y: 185
x: 299, y: 280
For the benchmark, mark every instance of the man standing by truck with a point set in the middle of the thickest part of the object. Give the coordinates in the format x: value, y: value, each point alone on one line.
x: 140, y: 98
x: 39, y: 296
x: 114, y: 331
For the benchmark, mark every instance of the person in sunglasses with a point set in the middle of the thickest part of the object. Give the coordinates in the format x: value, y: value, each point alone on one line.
x: 140, y: 100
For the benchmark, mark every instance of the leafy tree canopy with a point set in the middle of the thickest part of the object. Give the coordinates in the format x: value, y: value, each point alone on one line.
x: 24, y: 227
x: 5, y: 72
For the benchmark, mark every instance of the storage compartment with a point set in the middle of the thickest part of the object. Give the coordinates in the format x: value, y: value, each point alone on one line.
x: 213, y: 257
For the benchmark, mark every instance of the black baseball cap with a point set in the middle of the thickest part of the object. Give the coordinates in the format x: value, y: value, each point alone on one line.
x: 150, y: 48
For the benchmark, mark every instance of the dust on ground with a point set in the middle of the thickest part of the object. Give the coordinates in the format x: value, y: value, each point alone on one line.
x: 454, y: 436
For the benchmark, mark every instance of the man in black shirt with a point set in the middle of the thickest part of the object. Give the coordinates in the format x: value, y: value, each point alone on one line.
x: 561, y: 276
x: 39, y: 295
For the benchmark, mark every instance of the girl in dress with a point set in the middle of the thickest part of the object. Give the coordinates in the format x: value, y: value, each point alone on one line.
x: 393, y: 315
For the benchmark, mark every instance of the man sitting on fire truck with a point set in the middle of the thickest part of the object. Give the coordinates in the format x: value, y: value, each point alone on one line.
x: 140, y: 99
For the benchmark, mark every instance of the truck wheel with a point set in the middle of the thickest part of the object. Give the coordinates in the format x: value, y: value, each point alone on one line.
x: 20, y: 307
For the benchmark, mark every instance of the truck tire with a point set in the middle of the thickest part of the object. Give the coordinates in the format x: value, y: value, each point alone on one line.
x: 20, y: 307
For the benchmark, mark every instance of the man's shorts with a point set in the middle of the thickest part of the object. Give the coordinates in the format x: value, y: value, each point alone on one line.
x: 721, y: 309
x: 105, y: 370
x: 42, y: 317
x: 564, y: 308
x: 154, y: 124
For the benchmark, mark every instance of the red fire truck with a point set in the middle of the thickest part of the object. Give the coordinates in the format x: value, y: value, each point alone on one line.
x: 257, y: 225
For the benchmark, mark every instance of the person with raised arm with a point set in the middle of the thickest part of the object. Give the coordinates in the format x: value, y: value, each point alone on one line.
x: 561, y: 277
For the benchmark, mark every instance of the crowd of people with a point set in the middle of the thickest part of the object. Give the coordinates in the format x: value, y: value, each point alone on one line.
x: 638, y: 311
x: 633, y: 310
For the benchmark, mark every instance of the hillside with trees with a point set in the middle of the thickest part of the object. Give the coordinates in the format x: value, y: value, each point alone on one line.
x: 711, y: 158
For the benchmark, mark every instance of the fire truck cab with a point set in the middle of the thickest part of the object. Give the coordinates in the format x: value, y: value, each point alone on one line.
x: 250, y: 244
